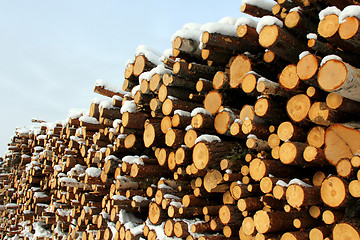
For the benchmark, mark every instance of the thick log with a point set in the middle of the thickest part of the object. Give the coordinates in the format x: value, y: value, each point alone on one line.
x: 206, y: 154
x: 348, y: 229
x: 334, y: 192
x: 281, y: 42
x: 262, y: 168
x: 341, y: 141
x: 298, y: 108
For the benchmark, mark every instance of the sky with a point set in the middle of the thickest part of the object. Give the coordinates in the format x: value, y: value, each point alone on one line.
x: 52, y: 52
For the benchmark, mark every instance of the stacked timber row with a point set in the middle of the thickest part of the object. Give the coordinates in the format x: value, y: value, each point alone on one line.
x: 244, y: 130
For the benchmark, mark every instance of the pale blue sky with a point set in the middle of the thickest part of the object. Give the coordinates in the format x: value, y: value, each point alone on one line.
x: 51, y: 52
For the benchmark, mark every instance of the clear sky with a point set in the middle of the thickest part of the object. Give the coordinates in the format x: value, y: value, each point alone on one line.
x: 51, y: 52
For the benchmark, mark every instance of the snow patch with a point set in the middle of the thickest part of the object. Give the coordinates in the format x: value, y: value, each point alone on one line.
x: 329, y: 11
x: 330, y: 57
x: 268, y: 21
x: 207, y: 138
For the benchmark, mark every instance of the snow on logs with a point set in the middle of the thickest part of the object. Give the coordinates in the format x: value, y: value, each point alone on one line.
x: 245, y: 129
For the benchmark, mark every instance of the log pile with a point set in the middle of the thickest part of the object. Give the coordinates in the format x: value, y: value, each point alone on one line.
x: 244, y: 130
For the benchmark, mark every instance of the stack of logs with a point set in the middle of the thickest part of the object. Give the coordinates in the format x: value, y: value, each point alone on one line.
x: 232, y: 137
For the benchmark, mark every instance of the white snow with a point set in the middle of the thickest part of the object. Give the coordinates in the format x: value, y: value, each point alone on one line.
x: 63, y: 212
x: 93, y: 172
x: 330, y: 57
x: 107, y: 86
x: 76, y: 113
x: 145, y: 76
x: 68, y: 180
x: 159, y: 230
x: 228, y: 20
x: 296, y: 9
x: 117, y: 97
x: 299, y: 182
x: 119, y: 198
x: 122, y: 136
x: 128, y: 106
x: 311, y: 36
x: 186, y: 34
x: 97, y: 100
x: 137, y: 230
x: 40, y: 137
x: 40, y: 195
x: 116, y: 122
x: 170, y: 196
x: 166, y: 54
x: 151, y: 54
x: 125, y: 217
x: 135, y: 89
x: 76, y: 170
x: 264, y: 4
x: 139, y: 199
x: 222, y: 28
x: 182, y: 113
x: 251, y: 136
x: 107, y: 103
x: 23, y: 132
x: 268, y: 21
x: 176, y: 204
x: 129, y: 61
x: 189, y: 127
x: 281, y: 183
x: 201, y: 111
x: 349, y: 11
x: 133, y: 160
x: 159, y: 69
x: 303, y: 54
x: 40, y: 231
x: 164, y: 186
x: 246, y: 21
x: 89, y: 119
x: 207, y: 138
x: 329, y: 11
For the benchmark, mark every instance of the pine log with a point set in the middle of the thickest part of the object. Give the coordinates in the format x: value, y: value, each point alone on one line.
x: 300, y: 195
x: 170, y: 105
x: 254, y: 11
x: 341, y: 141
x: 206, y: 154
x: 223, y: 121
x: 262, y: 168
x: 267, y: 222
x: 281, y: 42
x: 142, y: 64
x: 334, y: 192
x: 267, y: 87
x: 298, y: 107
x: 289, y: 79
x: 270, y: 110
x: 348, y: 229
x: 220, y: 80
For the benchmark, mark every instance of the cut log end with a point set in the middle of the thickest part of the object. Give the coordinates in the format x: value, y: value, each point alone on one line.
x: 307, y: 67
x: 332, y: 75
x: 349, y: 28
x: 213, y: 102
x: 268, y: 35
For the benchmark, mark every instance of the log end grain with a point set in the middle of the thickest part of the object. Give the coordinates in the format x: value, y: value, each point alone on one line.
x: 349, y: 28
x: 268, y: 35
x: 332, y: 75
x: 213, y: 102
x: 333, y: 191
x: 307, y: 67
x: 328, y: 26
x: 298, y: 107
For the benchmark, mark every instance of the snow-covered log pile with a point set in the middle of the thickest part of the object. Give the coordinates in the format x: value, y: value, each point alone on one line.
x: 247, y: 129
